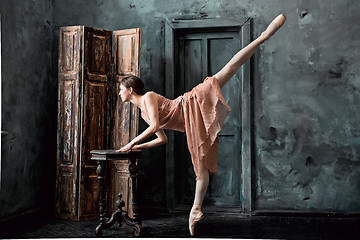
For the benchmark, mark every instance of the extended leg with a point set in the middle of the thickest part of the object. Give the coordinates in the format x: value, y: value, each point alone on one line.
x: 224, y: 75
x: 200, y: 190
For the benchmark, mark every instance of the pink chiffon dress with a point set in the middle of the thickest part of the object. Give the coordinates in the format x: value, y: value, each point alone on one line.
x: 201, y: 114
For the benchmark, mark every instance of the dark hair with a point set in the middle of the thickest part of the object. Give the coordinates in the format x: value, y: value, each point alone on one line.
x: 134, y: 82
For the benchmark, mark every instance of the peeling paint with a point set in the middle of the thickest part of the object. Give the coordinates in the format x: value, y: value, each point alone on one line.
x: 305, y: 79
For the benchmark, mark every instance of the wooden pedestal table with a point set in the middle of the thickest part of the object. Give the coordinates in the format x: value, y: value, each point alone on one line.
x: 119, y: 216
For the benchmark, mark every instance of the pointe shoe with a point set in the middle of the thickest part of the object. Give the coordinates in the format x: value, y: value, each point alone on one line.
x: 272, y: 28
x: 199, y: 216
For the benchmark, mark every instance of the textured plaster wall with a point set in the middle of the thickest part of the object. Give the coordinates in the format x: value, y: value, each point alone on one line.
x: 29, y: 105
x: 306, y: 92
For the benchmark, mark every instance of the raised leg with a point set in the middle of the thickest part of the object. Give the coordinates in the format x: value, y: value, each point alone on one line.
x: 272, y: 28
x: 226, y: 73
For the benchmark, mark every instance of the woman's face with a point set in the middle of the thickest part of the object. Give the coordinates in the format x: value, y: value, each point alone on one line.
x: 124, y: 93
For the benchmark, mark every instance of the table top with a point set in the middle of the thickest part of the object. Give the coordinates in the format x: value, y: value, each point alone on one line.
x: 111, y: 154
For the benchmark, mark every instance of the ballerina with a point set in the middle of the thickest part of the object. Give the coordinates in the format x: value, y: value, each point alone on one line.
x: 200, y: 113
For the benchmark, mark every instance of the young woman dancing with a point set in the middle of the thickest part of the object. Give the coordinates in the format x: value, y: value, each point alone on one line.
x: 200, y: 113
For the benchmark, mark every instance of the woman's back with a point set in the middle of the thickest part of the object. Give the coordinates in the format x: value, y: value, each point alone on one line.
x: 170, y: 114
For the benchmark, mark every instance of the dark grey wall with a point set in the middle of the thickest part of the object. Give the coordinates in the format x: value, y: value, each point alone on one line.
x: 307, y: 94
x: 29, y: 107
x: 306, y: 89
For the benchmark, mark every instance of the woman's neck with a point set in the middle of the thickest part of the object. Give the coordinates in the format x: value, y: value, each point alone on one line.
x: 137, y: 100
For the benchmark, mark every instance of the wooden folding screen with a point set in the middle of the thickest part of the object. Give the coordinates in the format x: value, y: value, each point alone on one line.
x: 126, y: 52
x: 92, y: 116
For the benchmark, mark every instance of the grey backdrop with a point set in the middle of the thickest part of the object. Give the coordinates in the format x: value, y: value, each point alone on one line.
x: 305, y: 84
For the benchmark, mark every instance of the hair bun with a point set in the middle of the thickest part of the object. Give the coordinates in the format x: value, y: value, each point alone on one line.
x: 133, y: 82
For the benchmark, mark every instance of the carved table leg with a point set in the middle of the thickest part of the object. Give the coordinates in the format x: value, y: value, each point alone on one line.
x: 100, y: 173
x: 133, y: 169
x: 119, y: 215
x: 125, y: 217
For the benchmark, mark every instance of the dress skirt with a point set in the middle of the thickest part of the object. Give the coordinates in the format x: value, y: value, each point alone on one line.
x: 204, y: 111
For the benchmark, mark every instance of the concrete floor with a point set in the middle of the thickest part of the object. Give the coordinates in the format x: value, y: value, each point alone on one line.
x: 214, y: 225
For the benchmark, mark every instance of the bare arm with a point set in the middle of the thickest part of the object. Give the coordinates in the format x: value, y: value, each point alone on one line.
x: 160, y: 140
x: 151, y: 100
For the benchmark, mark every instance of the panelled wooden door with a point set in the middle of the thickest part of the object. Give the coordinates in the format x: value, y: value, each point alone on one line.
x: 68, y: 132
x: 91, y: 116
x: 126, y: 52
x: 95, y: 114
x: 200, y: 55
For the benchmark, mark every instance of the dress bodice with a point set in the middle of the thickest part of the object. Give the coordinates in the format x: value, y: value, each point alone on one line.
x: 170, y: 114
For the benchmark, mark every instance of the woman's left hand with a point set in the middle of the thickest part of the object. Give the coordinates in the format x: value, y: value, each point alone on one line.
x: 126, y: 148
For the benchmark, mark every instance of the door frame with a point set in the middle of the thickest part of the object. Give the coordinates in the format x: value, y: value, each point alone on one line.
x: 242, y: 24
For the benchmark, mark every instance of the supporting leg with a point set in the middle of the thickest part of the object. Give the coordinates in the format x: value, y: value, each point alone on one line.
x: 201, y: 186
x: 226, y: 73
